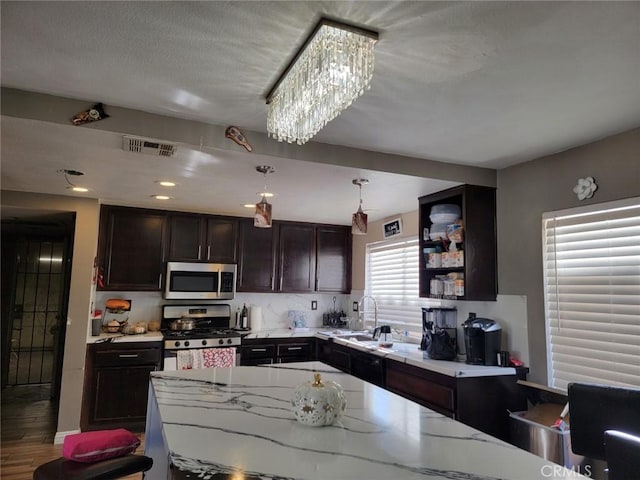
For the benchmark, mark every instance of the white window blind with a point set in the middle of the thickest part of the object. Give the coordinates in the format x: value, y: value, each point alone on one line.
x: 592, y: 294
x: 392, y: 278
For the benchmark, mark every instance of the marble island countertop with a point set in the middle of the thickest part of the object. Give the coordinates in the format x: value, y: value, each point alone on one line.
x: 403, y: 352
x: 237, y: 423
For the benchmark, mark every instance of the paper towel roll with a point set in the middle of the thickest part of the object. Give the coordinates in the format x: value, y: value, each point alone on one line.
x: 255, y: 318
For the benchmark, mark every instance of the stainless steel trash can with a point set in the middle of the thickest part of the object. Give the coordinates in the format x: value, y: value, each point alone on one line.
x: 546, y: 442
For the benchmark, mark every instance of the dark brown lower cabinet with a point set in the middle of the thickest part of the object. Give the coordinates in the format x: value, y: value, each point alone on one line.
x: 281, y: 350
x: 480, y: 402
x: 117, y: 384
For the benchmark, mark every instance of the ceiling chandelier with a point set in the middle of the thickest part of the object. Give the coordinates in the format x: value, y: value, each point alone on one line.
x: 262, y: 215
x: 359, y: 219
x: 331, y: 70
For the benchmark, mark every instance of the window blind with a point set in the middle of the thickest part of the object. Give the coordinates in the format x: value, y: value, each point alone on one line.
x: 392, y: 278
x: 591, y: 263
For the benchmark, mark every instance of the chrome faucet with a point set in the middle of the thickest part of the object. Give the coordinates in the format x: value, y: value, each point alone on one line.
x: 361, y: 310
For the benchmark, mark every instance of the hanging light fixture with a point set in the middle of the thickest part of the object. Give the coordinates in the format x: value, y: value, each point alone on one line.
x: 359, y: 219
x: 331, y: 70
x: 262, y: 215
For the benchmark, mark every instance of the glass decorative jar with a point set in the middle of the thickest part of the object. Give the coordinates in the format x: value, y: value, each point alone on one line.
x: 318, y: 403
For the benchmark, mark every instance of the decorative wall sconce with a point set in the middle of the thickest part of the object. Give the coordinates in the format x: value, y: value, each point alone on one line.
x: 359, y: 219
x: 262, y: 216
x: 585, y: 188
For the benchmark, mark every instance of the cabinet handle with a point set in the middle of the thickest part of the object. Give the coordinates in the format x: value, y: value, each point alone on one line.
x: 160, y: 281
x: 128, y: 355
x: 208, y: 252
x: 289, y: 349
x: 258, y: 349
x: 199, y: 251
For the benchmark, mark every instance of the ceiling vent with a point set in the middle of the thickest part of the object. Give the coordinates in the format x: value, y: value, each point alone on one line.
x: 148, y: 146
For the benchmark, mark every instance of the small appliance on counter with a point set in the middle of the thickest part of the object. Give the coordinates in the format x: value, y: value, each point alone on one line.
x: 439, y: 318
x: 482, y: 340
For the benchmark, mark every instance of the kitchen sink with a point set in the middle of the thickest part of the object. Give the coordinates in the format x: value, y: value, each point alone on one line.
x: 358, y: 337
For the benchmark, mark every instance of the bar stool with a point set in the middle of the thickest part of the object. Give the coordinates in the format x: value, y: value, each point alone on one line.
x: 110, y: 469
x: 623, y: 455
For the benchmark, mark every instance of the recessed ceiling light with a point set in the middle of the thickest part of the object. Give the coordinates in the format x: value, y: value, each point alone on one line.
x: 161, y: 197
x: 266, y: 194
x: 249, y: 205
x: 166, y: 183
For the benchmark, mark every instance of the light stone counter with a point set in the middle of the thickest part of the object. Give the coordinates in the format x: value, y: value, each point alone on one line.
x: 120, y: 338
x: 237, y: 423
x: 401, y: 352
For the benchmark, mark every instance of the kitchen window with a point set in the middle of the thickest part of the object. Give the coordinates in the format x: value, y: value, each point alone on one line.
x: 591, y: 263
x: 392, y: 278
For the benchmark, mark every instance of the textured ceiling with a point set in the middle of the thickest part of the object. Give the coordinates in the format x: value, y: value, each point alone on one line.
x: 487, y: 84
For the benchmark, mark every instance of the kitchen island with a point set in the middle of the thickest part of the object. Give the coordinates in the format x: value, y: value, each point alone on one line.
x: 237, y: 423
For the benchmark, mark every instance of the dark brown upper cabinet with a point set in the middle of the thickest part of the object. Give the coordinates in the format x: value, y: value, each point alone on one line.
x: 294, y: 257
x: 195, y: 238
x: 333, y: 264
x: 131, y: 248
x: 297, y: 258
x: 478, y: 213
x: 257, y: 257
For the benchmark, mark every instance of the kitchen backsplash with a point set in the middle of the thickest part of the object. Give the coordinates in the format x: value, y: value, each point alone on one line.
x: 146, y: 306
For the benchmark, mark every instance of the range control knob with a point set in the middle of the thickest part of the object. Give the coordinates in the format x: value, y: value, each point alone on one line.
x: 186, y: 344
x: 177, y: 344
x: 204, y: 342
x: 229, y: 341
x: 221, y: 342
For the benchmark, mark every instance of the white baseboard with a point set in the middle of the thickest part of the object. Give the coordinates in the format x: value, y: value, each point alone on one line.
x: 59, y: 438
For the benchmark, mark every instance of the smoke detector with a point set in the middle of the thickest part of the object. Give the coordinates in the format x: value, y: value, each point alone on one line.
x: 149, y: 146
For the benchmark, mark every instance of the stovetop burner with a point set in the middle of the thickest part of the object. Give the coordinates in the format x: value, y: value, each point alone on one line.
x: 212, y: 327
x: 200, y: 333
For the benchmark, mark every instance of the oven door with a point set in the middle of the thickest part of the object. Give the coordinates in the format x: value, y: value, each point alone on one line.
x: 170, y: 359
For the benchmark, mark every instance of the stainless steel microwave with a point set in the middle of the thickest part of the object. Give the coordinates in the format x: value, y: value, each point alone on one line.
x: 200, y: 281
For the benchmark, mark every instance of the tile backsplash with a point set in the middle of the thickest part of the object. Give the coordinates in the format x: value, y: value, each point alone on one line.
x: 146, y: 306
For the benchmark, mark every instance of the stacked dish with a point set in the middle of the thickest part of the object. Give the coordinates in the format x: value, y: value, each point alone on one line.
x: 444, y: 213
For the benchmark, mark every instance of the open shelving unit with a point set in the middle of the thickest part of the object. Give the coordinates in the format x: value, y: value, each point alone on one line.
x: 478, y: 213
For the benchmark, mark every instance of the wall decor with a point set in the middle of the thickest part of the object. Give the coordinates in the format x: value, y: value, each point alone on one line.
x: 392, y: 228
x: 585, y: 188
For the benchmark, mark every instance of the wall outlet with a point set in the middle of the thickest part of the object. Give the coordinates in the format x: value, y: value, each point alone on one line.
x: 355, y: 306
x: 314, y: 305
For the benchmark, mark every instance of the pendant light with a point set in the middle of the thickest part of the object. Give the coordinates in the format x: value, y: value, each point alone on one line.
x: 262, y: 215
x: 359, y: 219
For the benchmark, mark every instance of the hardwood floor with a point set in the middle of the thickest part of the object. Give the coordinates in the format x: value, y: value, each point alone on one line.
x: 27, y: 431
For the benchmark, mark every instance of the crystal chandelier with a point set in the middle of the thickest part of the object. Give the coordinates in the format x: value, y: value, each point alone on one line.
x: 331, y: 70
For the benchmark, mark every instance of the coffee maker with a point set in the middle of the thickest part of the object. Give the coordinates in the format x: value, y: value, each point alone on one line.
x: 439, y: 318
x: 482, y: 340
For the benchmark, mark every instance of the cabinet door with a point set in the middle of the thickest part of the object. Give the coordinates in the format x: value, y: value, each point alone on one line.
x: 256, y: 269
x: 222, y: 236
x: 185, y: 238
x: 333, y: 269
x: 120, y: 394
x: 297, y: 256
x: 132, y: 249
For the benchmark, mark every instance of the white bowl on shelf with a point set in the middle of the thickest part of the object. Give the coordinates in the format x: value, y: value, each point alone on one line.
x: 444, y: 213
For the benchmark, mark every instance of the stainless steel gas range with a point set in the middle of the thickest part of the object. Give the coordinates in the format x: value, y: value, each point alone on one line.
x: 193, y: 327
